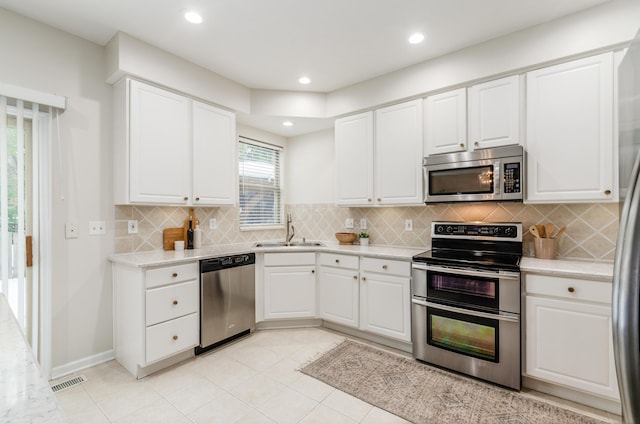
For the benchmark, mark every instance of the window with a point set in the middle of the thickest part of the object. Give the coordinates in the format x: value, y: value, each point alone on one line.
x: 260, y: 185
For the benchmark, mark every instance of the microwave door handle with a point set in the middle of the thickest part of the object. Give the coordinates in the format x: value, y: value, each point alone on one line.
x: 497, y: 183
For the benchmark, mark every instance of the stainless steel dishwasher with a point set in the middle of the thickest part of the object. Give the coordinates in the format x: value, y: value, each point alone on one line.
x: 227, y: 299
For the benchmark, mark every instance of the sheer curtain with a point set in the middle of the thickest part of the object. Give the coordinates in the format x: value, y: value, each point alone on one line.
x: 26, y: 122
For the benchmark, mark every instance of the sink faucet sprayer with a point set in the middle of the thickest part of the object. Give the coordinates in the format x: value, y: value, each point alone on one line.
x: 293, y: 230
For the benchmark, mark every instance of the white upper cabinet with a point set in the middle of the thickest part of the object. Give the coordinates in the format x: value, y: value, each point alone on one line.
x: 354, y: 159
x: 214, y: 156
x: 171, y: 150
x: 394, y: 177
x: 159, y: 164
x: 494, y: 113
x: 399, y: 154
x: 445, y: 121
x: 570, y: 140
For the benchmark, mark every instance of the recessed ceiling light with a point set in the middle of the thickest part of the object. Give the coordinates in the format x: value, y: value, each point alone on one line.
x: 416, y: 38
x: 304, y: 80
x: 287, y: 123
x: 193, y: 17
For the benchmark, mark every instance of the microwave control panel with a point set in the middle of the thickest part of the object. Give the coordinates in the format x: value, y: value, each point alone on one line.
x: 512, y: 177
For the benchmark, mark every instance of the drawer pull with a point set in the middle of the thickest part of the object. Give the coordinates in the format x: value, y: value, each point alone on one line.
x: 175, y: 274
x: 364, y: 278
x: 337, y: 261
x: 384, y: 267
x: 197, y: 199
x: 186, y: 198
x: 175, y: 302
x: 355, y: 277
x: 175, y: 337
x: 607, y: 192
x: 477, y: 143
x: 313, y: 271
x: 462, y: 145
x: 571, y: 289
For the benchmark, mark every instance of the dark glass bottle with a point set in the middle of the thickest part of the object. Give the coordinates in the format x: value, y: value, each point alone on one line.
x: 190, y: 234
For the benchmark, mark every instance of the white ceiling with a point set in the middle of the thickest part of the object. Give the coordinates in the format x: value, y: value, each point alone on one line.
x: 269, y: 44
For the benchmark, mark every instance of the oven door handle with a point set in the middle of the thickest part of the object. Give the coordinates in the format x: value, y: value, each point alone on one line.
x: 506, y: 275
x: 502, y: 317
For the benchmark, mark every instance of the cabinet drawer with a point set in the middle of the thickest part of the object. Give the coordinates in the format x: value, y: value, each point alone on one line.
x: 171, y: 337
x: 171, y: 274
x: 338, y: 260
x: 569, y: 288
x: 289, y: 258
x: 168, y: 302
x: 386, y: 266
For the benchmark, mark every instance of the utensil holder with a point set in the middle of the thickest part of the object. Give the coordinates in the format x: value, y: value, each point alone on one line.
x: 545, y: 248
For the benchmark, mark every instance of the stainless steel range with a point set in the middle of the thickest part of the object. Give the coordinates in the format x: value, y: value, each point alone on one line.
x: 465, y: 295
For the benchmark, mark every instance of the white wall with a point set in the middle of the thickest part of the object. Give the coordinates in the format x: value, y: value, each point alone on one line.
x: 310, y: 168
x: 42, y: 58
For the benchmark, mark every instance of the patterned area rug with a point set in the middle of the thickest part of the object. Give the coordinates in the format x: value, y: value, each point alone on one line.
x: 423, y: 394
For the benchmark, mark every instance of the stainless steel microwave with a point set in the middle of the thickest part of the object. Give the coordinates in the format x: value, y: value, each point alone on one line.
x: 482, y: 175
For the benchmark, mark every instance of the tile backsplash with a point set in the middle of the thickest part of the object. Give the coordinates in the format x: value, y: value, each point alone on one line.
x: 592, y: 228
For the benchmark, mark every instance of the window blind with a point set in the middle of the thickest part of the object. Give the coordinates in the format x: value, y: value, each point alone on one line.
x: 260, y: 184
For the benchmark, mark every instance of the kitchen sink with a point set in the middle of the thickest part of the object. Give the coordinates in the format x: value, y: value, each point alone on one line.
x: 291, y: 244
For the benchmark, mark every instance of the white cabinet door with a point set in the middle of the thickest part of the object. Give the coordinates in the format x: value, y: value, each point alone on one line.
x: 570, y: 343
x: 338, y: 295
x: 354, y: 160
x: 214, y: 156
x: 385, y: 305
x: 570, y: 141
x: 494, y: 113
x: 399, y: 152
x: 445, y: 122
x: 289, y: 292
x: 159, y: 162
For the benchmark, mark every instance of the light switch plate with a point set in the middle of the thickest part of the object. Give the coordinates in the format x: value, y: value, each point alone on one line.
x: 408, y: 224
x: 363, y: 224
x: 97, y: 228
x: 71, y: 230
x: 348, y: 223
x: 213, y: 224
x: 132, y: 226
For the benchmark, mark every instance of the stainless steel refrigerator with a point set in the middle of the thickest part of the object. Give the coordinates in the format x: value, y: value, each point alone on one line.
x: 626, y: 278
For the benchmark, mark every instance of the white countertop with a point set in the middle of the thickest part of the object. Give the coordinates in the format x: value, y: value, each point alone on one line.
x: 166, y: 257
x: 25, y: 396
x: 593, y: 270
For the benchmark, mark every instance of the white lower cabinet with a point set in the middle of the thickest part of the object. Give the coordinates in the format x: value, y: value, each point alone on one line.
x: 339, y: 288
x: 289, y: 285
x: 568, y: 334
x: 385, y: 298
x: 156, y: 314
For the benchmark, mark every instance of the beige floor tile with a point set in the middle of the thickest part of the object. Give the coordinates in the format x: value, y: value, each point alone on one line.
x: 255, y: 417
x: 172, y: 379
x: 256, y: 357
x: 257, y: 390
x: 284, y: 372
x: 324, y: 415
x: 312, y: 388
x: 380, y: 416
x: 196, y: 395
x: 347, y: 405
x: 226, y: 372
x: 223, y: 409
x: 159, y: 411
x: 288, y: 406
x: 93, y: 416
x: 129, y: 400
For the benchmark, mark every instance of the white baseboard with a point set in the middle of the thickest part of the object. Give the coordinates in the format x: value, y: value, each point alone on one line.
x: 80, y: 364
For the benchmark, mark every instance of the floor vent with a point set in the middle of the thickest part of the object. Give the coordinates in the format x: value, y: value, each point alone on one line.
x: 69, y: 383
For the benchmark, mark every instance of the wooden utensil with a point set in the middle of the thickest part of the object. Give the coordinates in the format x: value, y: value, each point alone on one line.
x: 560, y: 232
x: 549, y: 229
x: 171, y: 235
x: 541, y: 232
x: 534, y: 230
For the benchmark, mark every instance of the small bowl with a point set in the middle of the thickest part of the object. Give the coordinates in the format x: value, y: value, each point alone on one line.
x: 346, y: 238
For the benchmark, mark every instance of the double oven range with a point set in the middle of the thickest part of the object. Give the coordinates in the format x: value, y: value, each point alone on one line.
x: 465, y: 300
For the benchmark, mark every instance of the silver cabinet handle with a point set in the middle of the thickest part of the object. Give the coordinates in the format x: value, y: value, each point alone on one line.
x: 503, y: 316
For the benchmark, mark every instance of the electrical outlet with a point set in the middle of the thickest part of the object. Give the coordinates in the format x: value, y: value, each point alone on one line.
x: 408, y: 224
x: 71, y: 230
x: 213, y: 224
x: 97, y: 228
x: 363, y: 224
x: 348, y: 223
x: 132, y: 226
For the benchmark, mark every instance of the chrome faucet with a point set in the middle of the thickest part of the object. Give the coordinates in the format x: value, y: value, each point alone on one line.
x: 291, y: 231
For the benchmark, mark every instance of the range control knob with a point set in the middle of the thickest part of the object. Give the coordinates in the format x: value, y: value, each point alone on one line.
x: 496, y: 230
x: 439, y: 229
x: 508, y: 231
x: 449, y: 229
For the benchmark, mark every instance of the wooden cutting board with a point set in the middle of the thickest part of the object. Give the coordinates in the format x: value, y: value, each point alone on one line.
x: 171, y: 235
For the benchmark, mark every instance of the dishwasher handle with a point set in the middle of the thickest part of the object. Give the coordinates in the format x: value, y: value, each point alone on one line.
x: 225, y: 262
